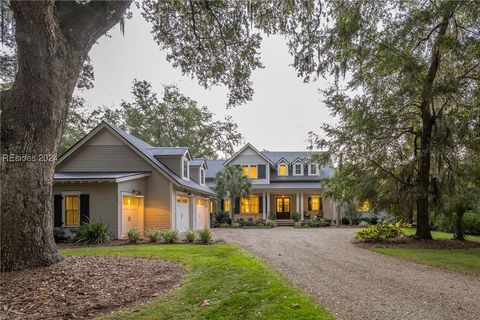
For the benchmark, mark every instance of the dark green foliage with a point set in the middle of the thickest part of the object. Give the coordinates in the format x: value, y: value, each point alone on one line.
x: 221, y: 218
x: 296, y: 216
x: 59, y: 235
x: 471, y: 222
x: 230, y: 181
x: 95, y: 231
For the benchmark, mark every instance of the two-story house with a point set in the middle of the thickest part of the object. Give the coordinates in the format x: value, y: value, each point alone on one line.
x: 282, y: 183
x: 127, y: 183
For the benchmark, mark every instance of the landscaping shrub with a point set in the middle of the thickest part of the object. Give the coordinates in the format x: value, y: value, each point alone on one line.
x: 471, y: 222
x: 345, y: 221
x: 221, y: 218
x: 296, y: 216
x: 205, y: 235
x: 170, y: 236
x: 190, y: 235
x: 272, y: 216
x: 94, y: 231
x: 270, y: 223
x: 154, y: 235
x: 59, y: 235
x: 133, y: 235
x: 313, y: 223
x: 382, y: 231
x: 250, y: 223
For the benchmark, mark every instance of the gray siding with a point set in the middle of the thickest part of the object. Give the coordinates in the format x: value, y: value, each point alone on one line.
x: 173, y: 163
x: 105, y: 152
x: 249, y: 156
x: 195, y: 174
x: 103, y: 200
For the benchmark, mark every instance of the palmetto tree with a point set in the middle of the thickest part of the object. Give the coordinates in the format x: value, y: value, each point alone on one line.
x: 230, y: 181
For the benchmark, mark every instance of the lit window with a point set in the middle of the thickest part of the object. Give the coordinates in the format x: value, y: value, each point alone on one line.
x: 282, y: 170
x: 200, y: 202
x: 226, y: 205
x: 313, y: 169
x: 185, y: 168
x: 253, y: 172
x: 182, y: 199
x: 249, y: 205
x: 283, y: 204
x: 250, y: 171
x: 365, y: 207
x: 298, y: 169
x: 315, y: 203
x: 72, y: 210
x: 245, y: 171
x: 211, y: 206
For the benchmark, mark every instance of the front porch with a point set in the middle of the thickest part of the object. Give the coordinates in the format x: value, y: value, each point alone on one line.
x: 280, y: 206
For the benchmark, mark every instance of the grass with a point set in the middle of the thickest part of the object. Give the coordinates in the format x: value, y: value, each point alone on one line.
x: 237, y: 284
x: 461, y: 260
x: 443, y: 235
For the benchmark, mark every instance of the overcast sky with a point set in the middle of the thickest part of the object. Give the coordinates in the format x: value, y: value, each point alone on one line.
x: 283, y: 109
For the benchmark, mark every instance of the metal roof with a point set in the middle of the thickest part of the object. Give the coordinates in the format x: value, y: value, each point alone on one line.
x: 213, y: 166
x: 290, y: 156
x: 288, y: 185
x: 168, y: 151
x: 96, y: 175
x: 144, y: 147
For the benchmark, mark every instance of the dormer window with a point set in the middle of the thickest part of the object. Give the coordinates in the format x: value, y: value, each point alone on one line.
x: 250, y: 171
x: 283, y: 169
x: 298, y: 169
x: 185, y: 168
x: 202, y: 176
x: 313, y: 169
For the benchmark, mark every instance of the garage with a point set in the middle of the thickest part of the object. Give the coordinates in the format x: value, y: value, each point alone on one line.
x: 182, y: 217
x: 132, y: 213
x: 202, y: 215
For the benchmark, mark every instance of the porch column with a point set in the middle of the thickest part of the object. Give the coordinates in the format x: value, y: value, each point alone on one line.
x: 264, y: 206
x: 301, y: 205
x: 297, y: 202
x: 268, y: 203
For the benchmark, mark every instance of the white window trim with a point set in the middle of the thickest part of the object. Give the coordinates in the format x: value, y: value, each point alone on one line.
x: 295, y: 169
x: 64, y: 218
x: 310, y: 169
x: 187, y: 177
x: 278, y: 169
x: 202, y: 181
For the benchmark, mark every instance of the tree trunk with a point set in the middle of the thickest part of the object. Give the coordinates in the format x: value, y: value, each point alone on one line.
x: 423, y: 178
x: 53, y: 40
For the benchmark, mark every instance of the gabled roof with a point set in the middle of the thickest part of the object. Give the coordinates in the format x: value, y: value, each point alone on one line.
x: 290, y: 156
x: 100, y: 176
x: 248, y: 145
x: 198, y: 162
x: 282, y: 159
x: 299, y: 160
x: 142, y: 148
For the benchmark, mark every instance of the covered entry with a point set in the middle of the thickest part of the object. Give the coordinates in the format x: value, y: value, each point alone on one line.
x: 132, y: 213
x: 282, y: 207
x: 182, y: 217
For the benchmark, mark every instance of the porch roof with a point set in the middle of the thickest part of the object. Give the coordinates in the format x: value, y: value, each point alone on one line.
x: 288, y: 185
x: 112, y: 176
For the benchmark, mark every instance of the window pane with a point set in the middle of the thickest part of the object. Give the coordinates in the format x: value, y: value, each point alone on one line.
x: 315, y: 203
x: 253, y: 172
x: 244, y: 205
x: 279, y: 205
x: 298, y: 169
x: 254, y: 204
x: 245, y: 171
x: 286, y: 203
x: 282, y: 170
x: 72, y: 210
x: 226, y: 205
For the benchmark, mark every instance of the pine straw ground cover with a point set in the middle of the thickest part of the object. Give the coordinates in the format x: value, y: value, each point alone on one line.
x: 83, y: 287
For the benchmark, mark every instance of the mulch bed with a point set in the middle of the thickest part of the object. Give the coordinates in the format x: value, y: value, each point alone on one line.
x: 83, y: 287
x: 420, y: 244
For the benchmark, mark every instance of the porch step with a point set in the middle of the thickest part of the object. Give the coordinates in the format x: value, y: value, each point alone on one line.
x: 284, y: 222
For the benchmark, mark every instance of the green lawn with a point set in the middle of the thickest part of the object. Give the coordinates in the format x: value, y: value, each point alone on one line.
x: 238, y: 285
x: 443, y: 235
x: 461, y: 260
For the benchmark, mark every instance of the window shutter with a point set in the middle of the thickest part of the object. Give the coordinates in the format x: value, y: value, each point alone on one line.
x: 262, y: 171
x: 309, y: 203
x: 222, y: 205
x: 84, y: 208
x: 57, y: 210
x: 260, y: 204
x: 237, y: 205
x: 321, y: 204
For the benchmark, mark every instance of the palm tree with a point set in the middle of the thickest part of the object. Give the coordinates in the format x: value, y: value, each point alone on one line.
x: 230, y: 181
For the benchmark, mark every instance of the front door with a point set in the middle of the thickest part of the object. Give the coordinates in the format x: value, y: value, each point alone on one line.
x: 282, y: 207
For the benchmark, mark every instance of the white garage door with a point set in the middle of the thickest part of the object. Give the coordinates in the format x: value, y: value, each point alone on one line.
x: 132, y: 213
x: 201, y: 214
x: 182, y: 217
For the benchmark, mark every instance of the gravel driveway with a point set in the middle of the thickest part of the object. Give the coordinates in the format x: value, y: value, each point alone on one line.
x: 355, y: 283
